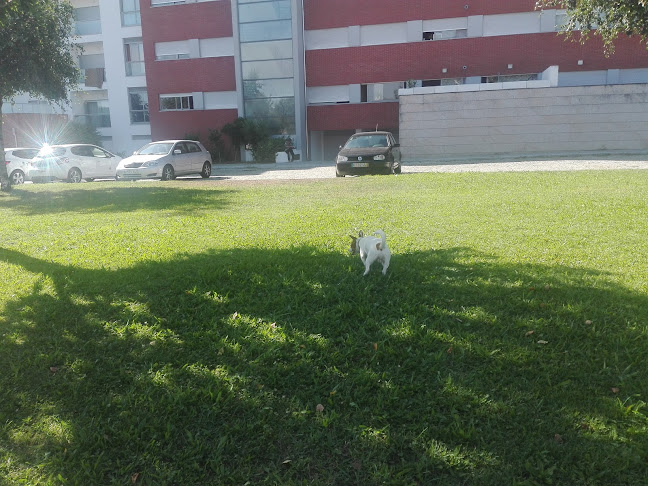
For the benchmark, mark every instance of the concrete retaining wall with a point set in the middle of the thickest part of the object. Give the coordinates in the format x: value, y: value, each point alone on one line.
x: 522, y: 121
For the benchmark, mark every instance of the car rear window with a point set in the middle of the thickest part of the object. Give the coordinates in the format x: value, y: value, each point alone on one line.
x: 25, y: 153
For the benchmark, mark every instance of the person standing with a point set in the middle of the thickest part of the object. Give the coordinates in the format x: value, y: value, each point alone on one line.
x: 289, y: 149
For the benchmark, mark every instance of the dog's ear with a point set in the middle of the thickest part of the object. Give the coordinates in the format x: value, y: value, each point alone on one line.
x: 360, y: 235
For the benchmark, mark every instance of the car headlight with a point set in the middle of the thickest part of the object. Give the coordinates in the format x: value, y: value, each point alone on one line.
x: 341, y: 158
x: 151, y: 163
x: 379, y: 157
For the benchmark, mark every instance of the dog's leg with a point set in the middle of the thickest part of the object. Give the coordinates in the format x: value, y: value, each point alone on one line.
x: 386, y: 263
x: 368, y: 263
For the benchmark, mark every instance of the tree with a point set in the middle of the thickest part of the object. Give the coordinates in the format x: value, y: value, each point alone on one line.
x: 608, y: 19
x: 37, y: 54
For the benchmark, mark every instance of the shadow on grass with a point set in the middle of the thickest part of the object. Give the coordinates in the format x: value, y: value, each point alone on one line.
x: 104, y: 197
x: 453, y: 369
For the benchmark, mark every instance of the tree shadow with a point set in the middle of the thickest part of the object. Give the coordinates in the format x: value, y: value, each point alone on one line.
x: 454, y: 368
x: 106, y: 198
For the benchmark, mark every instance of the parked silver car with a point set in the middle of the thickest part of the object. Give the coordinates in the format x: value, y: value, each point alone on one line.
x: 17, y: 160
x: 165, y: 160
x: 72, y: 163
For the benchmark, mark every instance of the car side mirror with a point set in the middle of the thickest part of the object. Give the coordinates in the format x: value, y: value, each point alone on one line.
x: 177, y: 152
x: 340, y: 147
x: 396, y: 145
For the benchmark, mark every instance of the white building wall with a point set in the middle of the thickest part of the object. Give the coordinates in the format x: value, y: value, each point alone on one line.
x: 404, y: 32
x: 553, y: 120
x: 122, y: 136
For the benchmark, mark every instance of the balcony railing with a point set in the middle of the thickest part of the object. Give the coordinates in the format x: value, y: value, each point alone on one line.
x: 95, y: 121
x: 87, y: 27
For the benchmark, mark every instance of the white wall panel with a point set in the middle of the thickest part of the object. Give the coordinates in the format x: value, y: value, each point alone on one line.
x: 326, y: 39
x: 528, y: 122
x: 173, y: 48
x: 220, y: 100
x: 373, y: 35
x: 327, y: 94
x: 511, y: 24
x: 218, y: 47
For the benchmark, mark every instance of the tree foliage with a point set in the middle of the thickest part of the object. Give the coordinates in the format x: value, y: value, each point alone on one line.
x: 37, y: 52
x: 605, y: 18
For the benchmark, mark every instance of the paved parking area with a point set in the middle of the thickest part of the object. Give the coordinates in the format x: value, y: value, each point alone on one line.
x: 326, y: 169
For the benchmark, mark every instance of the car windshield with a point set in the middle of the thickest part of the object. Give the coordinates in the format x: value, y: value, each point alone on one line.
x: 366, y: 141
x: 155, y: 149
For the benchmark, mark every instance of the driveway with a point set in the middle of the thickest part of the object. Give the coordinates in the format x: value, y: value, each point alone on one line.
x: 326, y: 169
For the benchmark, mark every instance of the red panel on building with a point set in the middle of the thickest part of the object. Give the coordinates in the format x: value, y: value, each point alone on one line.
x: 201, y: 20
x: 189, y: 75
x: 353, y: 116
x: 177, y: 124
x: 482, y: 56
x: 327, y: 14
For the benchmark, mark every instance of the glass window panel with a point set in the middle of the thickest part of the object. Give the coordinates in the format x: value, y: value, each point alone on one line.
x: 267, y: 69
x: 256, y: 12
x: 241, y: 2
x: 270, y: 107
x: 268, y: 88
x: 277, y: 125
x: 139, y: 109
x: 263, y: 31
x: 256, y: 51
x: 86, y: 14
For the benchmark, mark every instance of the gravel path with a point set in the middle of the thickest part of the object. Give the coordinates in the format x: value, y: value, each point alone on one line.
x: 326, y: 169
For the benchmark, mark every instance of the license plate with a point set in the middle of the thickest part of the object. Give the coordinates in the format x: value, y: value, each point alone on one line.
x: 360, y: 164
x: 131, y: 172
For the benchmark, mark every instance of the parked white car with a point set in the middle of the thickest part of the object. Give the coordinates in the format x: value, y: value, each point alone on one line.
x: 17, y: 160
x: 72, y: 163
x: 165, y: 160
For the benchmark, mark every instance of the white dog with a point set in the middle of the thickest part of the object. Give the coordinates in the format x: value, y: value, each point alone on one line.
x: 371, y: 249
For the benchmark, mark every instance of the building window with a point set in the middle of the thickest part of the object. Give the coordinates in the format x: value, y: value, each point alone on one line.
x: 445, y: 34
x: 138, y: 104
x: 167, y: 51
x: 130, y: 12
x: 509, y: 78
x: 176, y: 102
x: 166, y: 2
x: 97, y: 114
x: 267, y: 64
x: 134, y: 57
x: 87, y: 21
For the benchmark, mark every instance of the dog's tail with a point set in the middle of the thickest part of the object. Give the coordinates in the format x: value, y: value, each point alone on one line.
x: 383, y: 238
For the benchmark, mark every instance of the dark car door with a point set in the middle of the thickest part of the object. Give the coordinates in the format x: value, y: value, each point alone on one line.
x: 395, y: 148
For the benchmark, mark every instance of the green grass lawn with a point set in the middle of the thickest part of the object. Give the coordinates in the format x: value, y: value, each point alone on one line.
x: 219, y: 333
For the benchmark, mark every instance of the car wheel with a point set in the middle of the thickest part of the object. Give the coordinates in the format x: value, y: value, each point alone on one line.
x: 74, y: 175
x: 17, y: 177
x: 168, y: 173
x: 206, y: 170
